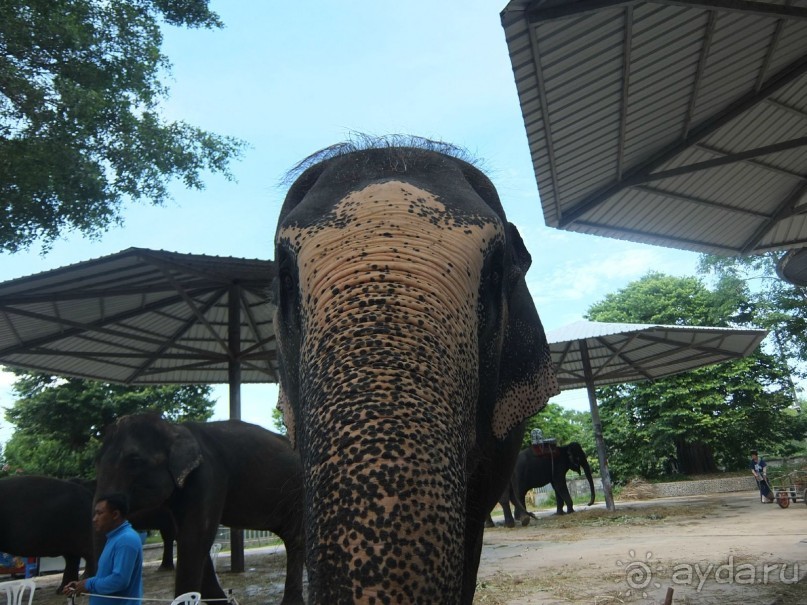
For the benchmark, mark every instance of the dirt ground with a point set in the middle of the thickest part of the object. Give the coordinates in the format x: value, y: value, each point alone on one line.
x: 725, y: 549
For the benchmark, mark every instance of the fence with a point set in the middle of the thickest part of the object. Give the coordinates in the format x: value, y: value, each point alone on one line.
x: 252, y: 537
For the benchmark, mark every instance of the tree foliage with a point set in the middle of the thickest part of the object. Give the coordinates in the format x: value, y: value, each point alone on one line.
x: 59, y: 423
x: 80, y: 127
x: 703, y: 419
x: 565, y: 426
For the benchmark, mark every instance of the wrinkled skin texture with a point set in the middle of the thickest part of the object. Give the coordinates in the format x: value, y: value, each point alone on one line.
x: 534, y: 470
x: 410, y: 354
x: 231, y: 473
x: 48, y: 517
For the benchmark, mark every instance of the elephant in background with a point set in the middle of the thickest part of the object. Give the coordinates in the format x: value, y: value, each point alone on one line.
x: 537, y: 466
x: 48, y: 517
x: 410, y: 355
x: 229, y: 472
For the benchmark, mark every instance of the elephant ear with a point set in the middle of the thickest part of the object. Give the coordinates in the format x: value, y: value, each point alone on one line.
x: 526, y: 375
x: 184, y: 455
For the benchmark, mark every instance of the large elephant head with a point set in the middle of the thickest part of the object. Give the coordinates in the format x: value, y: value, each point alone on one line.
x: 578, y: 462
x: 409, y: 350
x: 146, y: 458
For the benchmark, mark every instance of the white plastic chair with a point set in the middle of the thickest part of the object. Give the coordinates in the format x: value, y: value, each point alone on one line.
x: 8, y: 590
x: 189, y: 598
x: 214, y: 553
x: 16, y: 591
x: 25, y: 585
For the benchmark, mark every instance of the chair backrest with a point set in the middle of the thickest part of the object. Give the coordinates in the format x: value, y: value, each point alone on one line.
x: 214, y: 553
x: 19, y: 592
x: 8, y: 590
x: 189, y: 598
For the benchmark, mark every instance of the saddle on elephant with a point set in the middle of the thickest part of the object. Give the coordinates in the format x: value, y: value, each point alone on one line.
x: 544, y: 448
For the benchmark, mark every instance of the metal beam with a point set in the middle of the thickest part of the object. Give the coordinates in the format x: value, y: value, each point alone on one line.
x: 732, y: 158
x: 706, y: 45
x: 764, y: 9
x: 756, y: 163
x: 627, y: 45
x: 569, y: 9
x: 785, y: 210
x: 784, y: 77
x: 701, y: 201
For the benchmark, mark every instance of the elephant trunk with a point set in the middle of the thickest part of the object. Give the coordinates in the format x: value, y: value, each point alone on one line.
x: 368, y: 463
x: 386, y: 425
x: 587, y: 471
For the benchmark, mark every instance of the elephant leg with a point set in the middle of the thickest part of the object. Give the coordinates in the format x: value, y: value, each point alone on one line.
x: 71, y: 565
x: 520, y: 506
x: 474, y: 543
x: 562, y: 497
x: 210, y: 587
x: 489, y: 522
x: 194, y: 569
x: 295, y: 560
x: 508, y: 515
x: 167, y: 563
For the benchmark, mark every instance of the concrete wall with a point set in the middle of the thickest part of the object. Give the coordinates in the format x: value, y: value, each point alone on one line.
x: 706, y: 486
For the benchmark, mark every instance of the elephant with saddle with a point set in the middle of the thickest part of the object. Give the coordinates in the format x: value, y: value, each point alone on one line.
x: 537, y: 466
x: 229, y: 472
x: 410, y: 355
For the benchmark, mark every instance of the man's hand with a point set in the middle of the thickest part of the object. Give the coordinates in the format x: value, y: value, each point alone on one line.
x: 72, y: 588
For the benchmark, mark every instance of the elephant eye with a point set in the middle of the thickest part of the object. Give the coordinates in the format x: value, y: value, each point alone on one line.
x: 134, y: 461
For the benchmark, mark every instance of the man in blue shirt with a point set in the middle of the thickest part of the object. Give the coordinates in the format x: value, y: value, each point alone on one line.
x: 120, y: 567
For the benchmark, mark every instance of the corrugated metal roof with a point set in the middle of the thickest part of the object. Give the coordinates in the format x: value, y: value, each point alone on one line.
x: 624, y: 352
x: 142, y: 317
x: 680, y: 123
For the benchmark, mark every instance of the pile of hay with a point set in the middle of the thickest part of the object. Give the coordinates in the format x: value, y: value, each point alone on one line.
x: 638, y: 489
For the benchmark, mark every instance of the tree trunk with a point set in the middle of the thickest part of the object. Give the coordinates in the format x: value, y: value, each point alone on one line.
x: 695, y: 458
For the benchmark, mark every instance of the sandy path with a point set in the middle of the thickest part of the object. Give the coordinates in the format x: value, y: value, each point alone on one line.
x: 712, y: 550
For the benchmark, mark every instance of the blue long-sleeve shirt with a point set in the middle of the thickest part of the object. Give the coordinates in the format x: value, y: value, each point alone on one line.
x: 120, y: 569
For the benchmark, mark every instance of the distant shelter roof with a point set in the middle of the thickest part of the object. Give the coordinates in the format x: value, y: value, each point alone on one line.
x: 143, y: 317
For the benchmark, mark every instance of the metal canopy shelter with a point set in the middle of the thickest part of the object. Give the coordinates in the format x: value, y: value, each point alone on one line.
x: 146, y: 317
x: 681, y: 123
x: 590, y: 354
x: 143, y: 317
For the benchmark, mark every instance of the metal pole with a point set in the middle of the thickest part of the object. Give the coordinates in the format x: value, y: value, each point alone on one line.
x: 234, y: 376
x: 595, y: 420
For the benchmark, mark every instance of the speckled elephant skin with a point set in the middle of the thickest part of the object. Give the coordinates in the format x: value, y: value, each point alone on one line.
x: 410, y: 354
x: 208, y: 473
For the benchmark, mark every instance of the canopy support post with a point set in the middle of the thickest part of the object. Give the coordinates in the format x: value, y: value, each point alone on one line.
x: 595, y: 420
x: 234, y: 375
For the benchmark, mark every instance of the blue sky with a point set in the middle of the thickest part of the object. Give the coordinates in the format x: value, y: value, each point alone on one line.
x: 291, y: 78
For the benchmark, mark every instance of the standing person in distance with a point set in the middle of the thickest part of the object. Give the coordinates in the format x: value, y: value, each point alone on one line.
x: 120, y: 567
x: 760, y: 470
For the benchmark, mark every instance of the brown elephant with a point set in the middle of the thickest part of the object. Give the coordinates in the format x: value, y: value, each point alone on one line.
x: 228, y: 472
x: 410, y: 354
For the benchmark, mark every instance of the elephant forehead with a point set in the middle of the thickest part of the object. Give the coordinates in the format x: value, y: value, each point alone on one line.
x: 399, y: 232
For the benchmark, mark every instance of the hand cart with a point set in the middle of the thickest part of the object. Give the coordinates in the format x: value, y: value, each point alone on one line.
x: 791, y: 487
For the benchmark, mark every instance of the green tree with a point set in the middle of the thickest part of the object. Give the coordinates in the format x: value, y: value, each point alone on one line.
x: 776, y: 305
x: 59, y: 423
x: 702, y: 419
x: 559, y: 423
x: 80, y: 124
